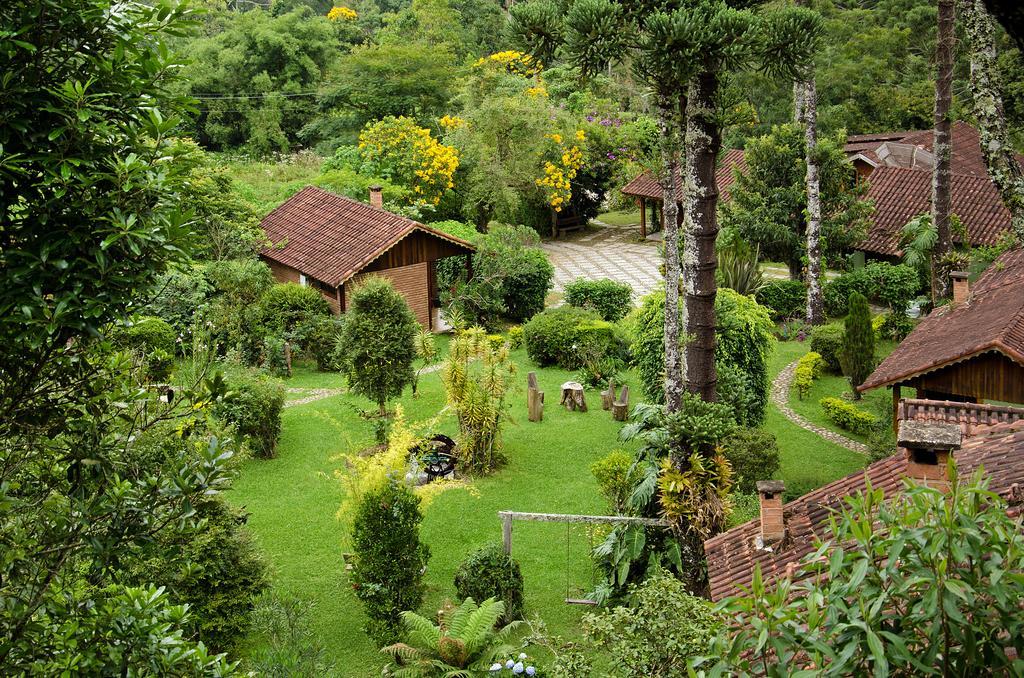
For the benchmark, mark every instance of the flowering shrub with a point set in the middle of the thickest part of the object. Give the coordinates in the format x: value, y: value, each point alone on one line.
x: 400, y: 150
x: 521, y: 665
x: 516, y: 63
x: 342, y: 14
x: 558, y: 175
x: 810, y: 367
x: 450, y: 122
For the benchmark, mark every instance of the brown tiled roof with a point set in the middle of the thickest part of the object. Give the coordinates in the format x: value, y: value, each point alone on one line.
x: 867, y: 144
x: 331, y: 238
x: 733, y: 555
x: 645, y: 185
x: 900, y: 194
x: 966, y: 152
x: 992, y: 319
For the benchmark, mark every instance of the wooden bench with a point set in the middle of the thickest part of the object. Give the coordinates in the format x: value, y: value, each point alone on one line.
x: 566, y: 224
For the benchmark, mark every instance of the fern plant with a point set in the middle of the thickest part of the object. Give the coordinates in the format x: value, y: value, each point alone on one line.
x: 463, y: 642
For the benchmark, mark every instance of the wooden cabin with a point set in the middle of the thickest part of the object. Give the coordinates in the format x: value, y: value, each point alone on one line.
x: 329, y: 242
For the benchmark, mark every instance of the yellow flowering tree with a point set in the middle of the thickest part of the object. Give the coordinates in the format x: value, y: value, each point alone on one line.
x: 559, y: 172
x: 342, y: 14
x: 401, y: 151
x: 516, y: 63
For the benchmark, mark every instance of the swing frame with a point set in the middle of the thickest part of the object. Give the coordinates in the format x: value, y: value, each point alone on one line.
x: 568, y: 518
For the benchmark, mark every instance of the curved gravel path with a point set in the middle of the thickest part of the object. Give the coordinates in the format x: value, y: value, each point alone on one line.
x: 780, y: 396
x: 314, y: 394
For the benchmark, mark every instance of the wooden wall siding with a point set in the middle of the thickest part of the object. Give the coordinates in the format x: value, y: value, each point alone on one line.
x: 989, y: 376
x: 416, y: 248
x: 286, y: 274
x: 410, y: 281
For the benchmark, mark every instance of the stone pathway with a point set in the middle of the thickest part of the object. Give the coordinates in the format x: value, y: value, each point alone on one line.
x: 311, y: 395
x: 780, y: 396
x: 606, y: 252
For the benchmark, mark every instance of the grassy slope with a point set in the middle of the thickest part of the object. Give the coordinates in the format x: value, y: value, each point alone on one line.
x: 293, y: 501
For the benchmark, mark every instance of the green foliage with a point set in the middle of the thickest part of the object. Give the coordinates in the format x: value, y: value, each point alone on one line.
x: 858, y: 356
x: 286, y: 306
x: 744, y: 507
x: 387, y: 575
x: 847, y: 416
x: 377, y: 344
x: 489, y: 572
x: 566, y: 336
x: 768, y: 201
x: 227, y: 225
x: 320, y: 336
x: 181, y: 297
x: 515, y: 337
x: 753, y: 454
x: 285, y: 645
x: 234, y: 312
x: 462, y: 642
x: 477, y: 377
x: 784, y: 299
x: 658, y: 633
x: 609, y: 298
x: 614, y: 480
x: 217, y: 572
x: 152, y: 341
x: 738, y: 266
x: 880, y: 282
x: 827, y: 341
x: 948, y: 563
x: 252, y: 407
x: 810, y: 367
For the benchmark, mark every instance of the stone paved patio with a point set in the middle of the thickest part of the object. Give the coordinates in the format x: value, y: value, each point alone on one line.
x: 607, y: 252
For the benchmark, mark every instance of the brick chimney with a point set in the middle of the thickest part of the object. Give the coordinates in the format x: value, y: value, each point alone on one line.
x: 376, y: 197
x: 773, y: 525
x: 926, y: 446
x: 961, y: 286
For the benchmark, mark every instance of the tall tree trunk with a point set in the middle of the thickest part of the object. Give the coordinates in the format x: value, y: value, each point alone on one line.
x: 809, y: 108
x: 1003, y: 168
x: 669, y: 125
x: 941, y: 146
x: 700, y: 192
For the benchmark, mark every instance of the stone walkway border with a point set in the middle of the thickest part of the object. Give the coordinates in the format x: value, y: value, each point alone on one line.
x: 780, y: 396
x: 314, y: 394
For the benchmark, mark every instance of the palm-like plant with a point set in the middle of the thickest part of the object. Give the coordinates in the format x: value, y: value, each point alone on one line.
x: 739, y: 267
x: 462, y: 642
x: 918, y: 239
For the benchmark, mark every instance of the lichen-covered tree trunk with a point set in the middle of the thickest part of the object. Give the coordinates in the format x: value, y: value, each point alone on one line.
x: 669, y: 125
x: 807, y: 105
x: 941, y: 146
x: 1003, y: 168
x: 700, y: 193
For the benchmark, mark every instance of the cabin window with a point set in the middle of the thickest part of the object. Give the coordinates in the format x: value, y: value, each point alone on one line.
x: 302, y: 279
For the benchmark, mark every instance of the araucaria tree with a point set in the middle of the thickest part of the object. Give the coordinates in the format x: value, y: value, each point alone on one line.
x: 858, y: 357
x: 942, y: 146
x: 1003, y: 168
x: 377, y: 346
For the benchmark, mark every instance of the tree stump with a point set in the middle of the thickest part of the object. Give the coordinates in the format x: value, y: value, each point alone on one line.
x: 534, y: 398
x: 608, y: 396
x: 572, y: 396
x: 620, y: 408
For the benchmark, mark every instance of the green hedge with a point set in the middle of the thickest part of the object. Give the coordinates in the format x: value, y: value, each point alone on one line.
x: 827, y: 341
x: 489, y: 572
x: 612, y: 300
x: 566, y: 336
x: 253, y: 407
x: 784, y: 299
x: 808, y: 368
x: 847, y: 417
x: 894, y: 285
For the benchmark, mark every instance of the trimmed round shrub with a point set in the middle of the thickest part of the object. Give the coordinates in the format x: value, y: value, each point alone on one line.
x: 827, y: 341
x: 784, y: 299
x: 252, y: 407
x: 286, y: 305
x: 567, y: 336
x: 489, y: 572
x: 754, y: 455
x: 387, y: 575
x: 612, y: 300
x: 526, y: 286
x: 146, y: 334
x: 847, y: 416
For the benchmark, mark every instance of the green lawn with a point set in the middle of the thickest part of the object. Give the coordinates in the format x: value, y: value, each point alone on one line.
x: 621, y: 218
x: 293, y: 499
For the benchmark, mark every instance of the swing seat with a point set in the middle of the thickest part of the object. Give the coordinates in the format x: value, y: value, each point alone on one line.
x: 580, y: 601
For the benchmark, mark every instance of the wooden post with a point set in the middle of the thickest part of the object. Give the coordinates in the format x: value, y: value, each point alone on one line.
x: 620, y: 408
x: 573, y: 397
x: 534, y: 398
x: 896, y: 408
x: 608, y: 396
x: 643, y: 217
x: 554, y: 224
x: 506, y: 532
x: 288, y: 358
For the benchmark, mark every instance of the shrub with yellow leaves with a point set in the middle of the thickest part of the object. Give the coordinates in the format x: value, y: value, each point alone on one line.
x: 342, y: 14
x: 516, y: 63
x: 559, y: 173
x: 450, y: 122
x: 400, y: 150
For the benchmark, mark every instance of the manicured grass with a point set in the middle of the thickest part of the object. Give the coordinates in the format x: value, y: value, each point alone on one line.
x: 294, y: 499
x: 621, y: 218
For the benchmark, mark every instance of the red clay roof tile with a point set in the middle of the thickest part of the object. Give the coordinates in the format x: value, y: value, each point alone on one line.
x: 645, y: 185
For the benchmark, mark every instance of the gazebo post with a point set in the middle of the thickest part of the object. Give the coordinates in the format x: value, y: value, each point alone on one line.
x: 643, y: 217
x: 896, y: 408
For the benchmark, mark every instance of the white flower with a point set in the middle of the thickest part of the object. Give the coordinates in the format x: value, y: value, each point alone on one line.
x: 509, y: 664
x: 495, y: 667
x: 530, y: 670
x: 522, y: 655
x: 518, y: 668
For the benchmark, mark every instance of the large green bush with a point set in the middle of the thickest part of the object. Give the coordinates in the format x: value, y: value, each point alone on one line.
x: 320, y: 337
x: 234, y: 310
x: 858, y: 356
x: 146, y: 334
x: 754, y: 455
x: 489, y: 572
x: 527, y: 281
x: 252, y: 407
x: 745, y: 342
x: 784, y: 299
x: 609, y: 298
x: 286, y: 306
x: 567, y: 336
x: 827, y: 341
x: 387, y: 575
x: 894, y: 285
x: 377, y: 345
